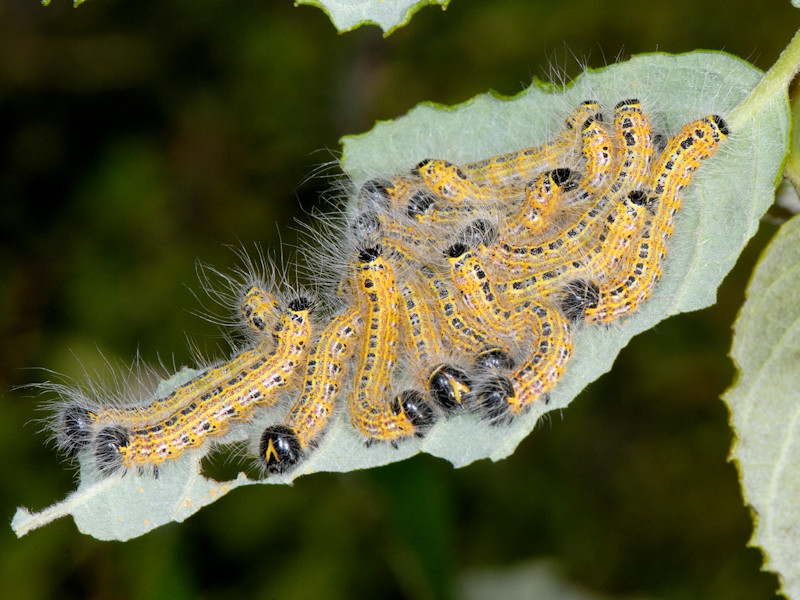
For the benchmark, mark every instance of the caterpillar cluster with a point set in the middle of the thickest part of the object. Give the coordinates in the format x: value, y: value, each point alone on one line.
x: 462, y: 292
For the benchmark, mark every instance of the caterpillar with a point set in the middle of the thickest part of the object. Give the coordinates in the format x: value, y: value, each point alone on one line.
x: 371, y: 412
x: 203, y: 408
x: 281, y: 446
x: 79, y: 419
x: 517, y: 168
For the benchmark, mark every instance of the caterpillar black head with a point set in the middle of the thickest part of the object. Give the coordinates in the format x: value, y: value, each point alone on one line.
x: 416, y: 409
x: 76, y: 429
x: 450, y: 388
x: 420, y: 203
x: 107, y: 448
x: 493, y: 394
x: 577, y: 296
x: 279, y: 449
x: 375, y: 194
x: 491, y: 359
x: 480, y: 232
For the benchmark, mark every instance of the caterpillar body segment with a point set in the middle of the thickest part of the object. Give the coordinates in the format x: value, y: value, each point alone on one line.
x: 259, y: 309
x: 420, y: 328
x: 597, y: 151
x: 453, y: 185
x: 623, y: 225
x: 633, y: 137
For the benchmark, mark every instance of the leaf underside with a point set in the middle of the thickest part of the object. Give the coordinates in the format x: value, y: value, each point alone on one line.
x: 764, y: 404
x: 389, y: 15
x: 721, y: 211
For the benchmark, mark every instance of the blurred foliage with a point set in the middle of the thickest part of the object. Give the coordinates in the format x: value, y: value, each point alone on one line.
x: 139, y: 136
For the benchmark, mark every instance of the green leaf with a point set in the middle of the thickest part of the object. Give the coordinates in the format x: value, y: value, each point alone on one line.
x: 765, y: 404
x: 389, y: 15
x: 721, y: 211
x: 532, y: 579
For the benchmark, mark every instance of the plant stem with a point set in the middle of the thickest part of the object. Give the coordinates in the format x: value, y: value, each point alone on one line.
x: 776, y: 81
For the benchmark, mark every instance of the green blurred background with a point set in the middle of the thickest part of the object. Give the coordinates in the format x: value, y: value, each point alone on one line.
x: 141, y: 135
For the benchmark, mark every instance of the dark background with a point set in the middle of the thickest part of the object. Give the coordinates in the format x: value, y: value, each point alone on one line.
x: 137, y: 136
